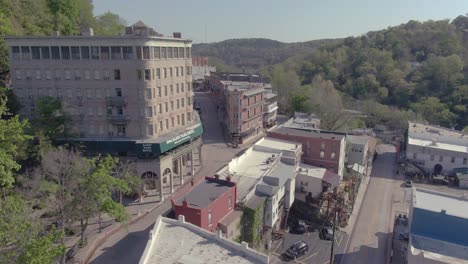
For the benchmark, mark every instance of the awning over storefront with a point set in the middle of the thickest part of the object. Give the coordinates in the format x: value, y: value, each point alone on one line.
x: 166, y: 143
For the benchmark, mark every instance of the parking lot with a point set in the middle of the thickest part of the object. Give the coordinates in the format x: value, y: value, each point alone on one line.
x: 319, y: 250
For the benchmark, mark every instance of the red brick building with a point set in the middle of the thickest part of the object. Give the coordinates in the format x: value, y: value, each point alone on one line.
x: 206, y: 202
x: 320, y: 148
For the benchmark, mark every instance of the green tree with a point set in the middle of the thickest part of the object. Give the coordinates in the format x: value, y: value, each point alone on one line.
x: 109, y: 24
x: 11, y: 137
x: 85, y: 14
x: 20, y: 238
x: 51, y: 119
x: 65, y: 15
x: 434, y: 111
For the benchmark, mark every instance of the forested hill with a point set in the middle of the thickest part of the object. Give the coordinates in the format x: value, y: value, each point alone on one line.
x: 252, y: 54
x: 420, y: 68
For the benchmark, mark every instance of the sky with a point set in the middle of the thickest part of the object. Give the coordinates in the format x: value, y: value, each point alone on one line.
x: 282, y: 20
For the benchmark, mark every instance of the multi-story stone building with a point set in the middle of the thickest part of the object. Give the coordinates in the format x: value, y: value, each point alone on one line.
x: 128, y: 95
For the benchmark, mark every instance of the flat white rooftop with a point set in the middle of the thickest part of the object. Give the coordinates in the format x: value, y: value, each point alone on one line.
x: 437, y: 145
x: 277, y: 145
x: 319, y: 173
x: 248, y: 169
x: 437, y: 202
x: 176, y: 241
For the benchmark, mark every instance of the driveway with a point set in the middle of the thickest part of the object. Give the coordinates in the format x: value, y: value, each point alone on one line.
x: 319, y: 250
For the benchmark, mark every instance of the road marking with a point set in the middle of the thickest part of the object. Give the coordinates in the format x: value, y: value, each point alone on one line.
x: 341, y: 239
x: 279, y: 244
x: 309, y: 257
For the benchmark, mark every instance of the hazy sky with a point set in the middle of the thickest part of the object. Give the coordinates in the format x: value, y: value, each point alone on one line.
x: 283, y: 20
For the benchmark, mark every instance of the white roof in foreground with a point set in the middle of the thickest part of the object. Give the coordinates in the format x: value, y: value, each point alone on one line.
x: 437, y: 201
x: 176, y: 241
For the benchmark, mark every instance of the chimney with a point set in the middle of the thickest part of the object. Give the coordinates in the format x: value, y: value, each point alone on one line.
x: 192, y: 182
x: 216, y: 176
x: 89, y: 32
x: 184, y: 202
x: 228, y: 178
x: 177, y: 35
x: 56, y: 33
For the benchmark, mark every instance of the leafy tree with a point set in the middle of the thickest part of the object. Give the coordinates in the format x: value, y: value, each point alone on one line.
x: 126, y: 171
x: 85, y: 14
x: 20, y: 239
x: 11, y: 137
x: 110, y: 24
x: 51, y: 118
x: 65, y: 15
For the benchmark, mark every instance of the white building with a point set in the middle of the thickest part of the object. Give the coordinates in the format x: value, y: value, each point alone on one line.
x: 436, y: 148
x: 176, y: 241
x: 438, y: 228
x: 267, y: 170
x: 358, y: 152
x: 312, y: 181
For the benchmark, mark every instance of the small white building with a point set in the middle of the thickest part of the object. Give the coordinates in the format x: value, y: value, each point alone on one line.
x: 358, y: 152
x: 436, y: 149
x: 312, y: 181
x: 438, y: 225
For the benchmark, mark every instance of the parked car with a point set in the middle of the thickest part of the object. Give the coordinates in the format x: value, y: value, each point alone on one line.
x: 298, y: 249
x: 409, y: 183
x: 300, y: 227
x: 326, y: 233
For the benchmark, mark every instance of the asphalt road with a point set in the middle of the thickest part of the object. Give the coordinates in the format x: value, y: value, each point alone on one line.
x: 128, y: 245
x: 370, y: 240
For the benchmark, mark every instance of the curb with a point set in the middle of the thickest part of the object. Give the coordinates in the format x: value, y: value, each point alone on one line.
x: 357, y: 215
x: 103, y: 238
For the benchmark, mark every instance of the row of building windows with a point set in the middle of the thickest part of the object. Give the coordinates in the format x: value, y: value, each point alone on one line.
x: 98, y: 53
x: 163, y: 73
x: 166, y: 107
x: 441, y: 158
x: 168, y: 123
x: 97, y: 94
x: 332, y: 155
x: 168, y: 89
x: 68, y: 74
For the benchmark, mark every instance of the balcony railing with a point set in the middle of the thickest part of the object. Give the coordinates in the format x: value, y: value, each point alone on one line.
x: 118, y: 119
x: 116, y: 101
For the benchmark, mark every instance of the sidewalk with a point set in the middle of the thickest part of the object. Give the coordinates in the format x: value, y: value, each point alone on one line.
x: 357, y: 204
x: 135, y: 210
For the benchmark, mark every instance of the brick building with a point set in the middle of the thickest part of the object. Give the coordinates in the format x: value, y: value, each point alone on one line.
x: 206, y: 202
x: 325, y: 149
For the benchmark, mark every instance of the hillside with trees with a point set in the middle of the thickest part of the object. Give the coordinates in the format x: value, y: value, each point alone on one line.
x: 412, y: 71
x: 252, y: 54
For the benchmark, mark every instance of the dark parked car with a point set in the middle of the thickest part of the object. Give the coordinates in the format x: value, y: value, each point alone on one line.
x: 300, y: 227
x: 408, y: 183
x: 326, y: 233
x: 298, y: 249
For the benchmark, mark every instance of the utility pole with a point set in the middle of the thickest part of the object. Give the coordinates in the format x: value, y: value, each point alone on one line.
x: 333, y: 238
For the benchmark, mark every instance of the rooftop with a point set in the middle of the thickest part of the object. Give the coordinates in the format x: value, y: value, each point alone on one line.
x: 439, y: 250
x: 204, y: 192
x: 316, y: 133
x: 437, y: 137
x: 248, y: 169
x: 278, y: 176
x: 357, y: 139
x: 176, y: 241
x: 320, y: 173
x: 437, y: 202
